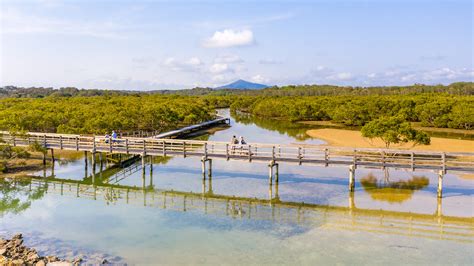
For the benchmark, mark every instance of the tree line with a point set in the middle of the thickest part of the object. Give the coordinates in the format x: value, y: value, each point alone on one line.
x: 431, y: 109
x: 101, y: 114
x: 70, y: 110
x: 458, y: 88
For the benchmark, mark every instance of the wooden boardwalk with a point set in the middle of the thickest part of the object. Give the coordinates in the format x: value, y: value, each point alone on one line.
x: 273, y: 153
x: 193, y: 128
x: 432, y: 226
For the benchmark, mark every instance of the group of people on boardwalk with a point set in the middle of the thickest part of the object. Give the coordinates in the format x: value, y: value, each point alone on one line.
x: 114, y: 137
x: 236, y: 142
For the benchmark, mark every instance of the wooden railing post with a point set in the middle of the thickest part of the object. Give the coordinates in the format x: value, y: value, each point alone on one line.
x: 412, y: 161
x: 227, y: 151
x: 44, y: 141
x: 61, y: 142
x: 93, y: 144
x: 250, y: 153
x: 326, y: 156
x: 354, y: 158
x: 443, y: 161
x: 184, y: 149
x: 144, y: 147
x: 14, y: 141
x: 205, y: 150
x: 383, y: 159
x: 164, y: 148
x: 126, y: 146
x: 110, y: 145
x: 77, y: 143
x: 273, y: 153
x: 299, y: 155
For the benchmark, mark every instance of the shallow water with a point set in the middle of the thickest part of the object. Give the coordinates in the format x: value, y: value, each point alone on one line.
x: 173, y: 216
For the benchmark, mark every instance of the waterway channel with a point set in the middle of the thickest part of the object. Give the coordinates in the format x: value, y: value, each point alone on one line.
x: 172, y: 216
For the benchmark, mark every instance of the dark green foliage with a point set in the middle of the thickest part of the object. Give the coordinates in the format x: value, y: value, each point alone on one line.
x: 102, y: 114
x: 394, y: 130
x: 433, y: 110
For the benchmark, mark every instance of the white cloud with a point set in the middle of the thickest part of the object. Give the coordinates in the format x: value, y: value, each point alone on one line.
x: 372, y: 75
x: 403, y: 76
x: 341, y: 76
x: 229, y: 38
x: 193, y: 64
x: 194, y: 61
x: 259, y: 79
x: 219, y: 68
x: 128, y: 83
x: 228, y: 59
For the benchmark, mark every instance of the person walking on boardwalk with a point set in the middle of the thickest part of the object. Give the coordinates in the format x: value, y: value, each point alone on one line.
x: 242, y: 143
x: 234, y: 141
x: 114, y: 136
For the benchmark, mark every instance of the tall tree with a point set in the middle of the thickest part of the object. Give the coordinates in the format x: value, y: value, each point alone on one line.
x: 394, y: 130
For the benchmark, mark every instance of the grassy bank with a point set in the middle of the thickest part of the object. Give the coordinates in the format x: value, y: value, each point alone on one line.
x: 353, y: 138
x: 23, y: 166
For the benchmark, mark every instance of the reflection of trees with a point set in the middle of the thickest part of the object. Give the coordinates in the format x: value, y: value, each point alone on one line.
x: 392, y: 192
x: 15, y: 198
x: 292, y: 129
x: 161, y: 159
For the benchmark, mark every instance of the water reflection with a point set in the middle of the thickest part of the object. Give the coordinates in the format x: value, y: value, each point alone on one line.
x: 295, y: 130
x: 392, y: 191
x: 17, y: 195
x: 163, y: 211
x: 272, y: 209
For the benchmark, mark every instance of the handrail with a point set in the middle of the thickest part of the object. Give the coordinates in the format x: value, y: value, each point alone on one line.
x: 253, y: 151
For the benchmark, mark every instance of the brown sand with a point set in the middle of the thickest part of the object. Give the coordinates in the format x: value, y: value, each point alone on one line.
x: 354, y: 139
x: 467, y: 176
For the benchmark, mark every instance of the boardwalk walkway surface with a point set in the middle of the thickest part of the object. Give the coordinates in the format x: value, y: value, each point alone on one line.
x: 274, y: 153
x: 192, y: 128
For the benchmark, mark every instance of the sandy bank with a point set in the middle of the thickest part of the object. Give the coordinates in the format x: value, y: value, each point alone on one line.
x: 351, y: 138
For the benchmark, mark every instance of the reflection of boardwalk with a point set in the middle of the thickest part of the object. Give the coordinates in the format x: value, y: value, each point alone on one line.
x: 435, y: 226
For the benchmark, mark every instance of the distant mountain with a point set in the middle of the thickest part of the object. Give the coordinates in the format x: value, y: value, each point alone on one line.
x: 243, y: 85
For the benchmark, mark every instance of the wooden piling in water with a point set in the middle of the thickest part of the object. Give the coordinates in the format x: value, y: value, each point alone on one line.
x: 85, y: 159
x: 209, y: 172
x: 101, y: 162
x: 351, y: 178
x: 93, y: 163
x: 203, y: 166
x: 276, y: 173
x: 440, y: 183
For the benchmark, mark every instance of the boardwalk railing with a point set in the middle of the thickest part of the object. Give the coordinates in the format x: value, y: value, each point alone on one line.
x: 275, y: 153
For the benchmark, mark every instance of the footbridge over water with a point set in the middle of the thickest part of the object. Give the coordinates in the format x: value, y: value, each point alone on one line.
x: 273, y: 154
x: 433, y: 226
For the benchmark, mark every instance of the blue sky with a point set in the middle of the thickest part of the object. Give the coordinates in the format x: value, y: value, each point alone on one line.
x: 143, y: 45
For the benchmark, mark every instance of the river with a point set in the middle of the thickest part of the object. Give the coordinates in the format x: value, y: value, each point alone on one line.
x: 236, y: 217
